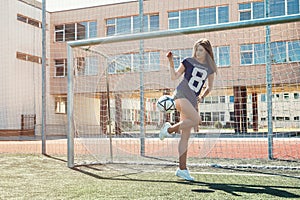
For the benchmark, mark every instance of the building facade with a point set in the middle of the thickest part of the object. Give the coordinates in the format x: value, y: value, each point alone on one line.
x: 238, y: 102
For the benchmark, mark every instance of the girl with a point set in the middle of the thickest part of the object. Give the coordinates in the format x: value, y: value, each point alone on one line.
x: 196, y: 69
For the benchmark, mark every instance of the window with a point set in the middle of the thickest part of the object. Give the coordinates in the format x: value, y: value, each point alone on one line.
x: 252, y: 54
x: 286, y: 96
x: 173, y: 18
x: 60, y: 68
x: 222, y: 99
x: 215, y: 116
x: 59, y: 33
x: 151, y: 62
x: 223, y: 14
x: 131, y: 62
x: 188, y: 18
x: 86, y: 30
x: 281, y: 52
x: 278, y: 52
x: 87, y: 66
x: 294, y: 51
x: 207, y: 117
x: 292, y: 7
x: 70, y: 32
x: 198, y: 17
x: 30, y: 21
x: 131, y: 24
x: 277, y: 7
x: 76, y: 31
x: 207, y: 16
x: 61, y: 105
x: 231, y: 99
x: 283, y: 7
x: 254, y: 10
x: 246, y: 54
x: 296, y: 95
x: 127, y: 115
x: 222, y: 56
x: 231, y: 116
x: 263, y: 97
x: 28, y: 57
x: 259, y: 53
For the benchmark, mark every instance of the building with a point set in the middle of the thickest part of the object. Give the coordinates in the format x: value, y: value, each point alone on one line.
x: 239, y: 99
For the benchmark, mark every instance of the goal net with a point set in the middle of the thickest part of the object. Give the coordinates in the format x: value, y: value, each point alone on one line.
x: 252, y: 113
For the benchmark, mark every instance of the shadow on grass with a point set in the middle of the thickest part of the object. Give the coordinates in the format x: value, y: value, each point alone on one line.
x: 233, y: 189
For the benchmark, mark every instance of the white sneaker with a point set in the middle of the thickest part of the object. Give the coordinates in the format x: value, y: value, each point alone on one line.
x: 164, y: 131
x: 185, y: 174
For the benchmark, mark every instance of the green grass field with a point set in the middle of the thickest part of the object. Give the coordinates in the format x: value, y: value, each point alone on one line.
x: 42, y: 177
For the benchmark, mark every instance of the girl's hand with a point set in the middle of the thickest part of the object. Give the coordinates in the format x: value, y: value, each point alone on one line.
x: 169, y: 55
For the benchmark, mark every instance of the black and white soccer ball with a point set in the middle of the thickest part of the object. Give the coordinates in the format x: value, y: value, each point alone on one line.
x: 166, y: 104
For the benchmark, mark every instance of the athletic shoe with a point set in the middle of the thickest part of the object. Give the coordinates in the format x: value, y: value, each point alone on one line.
x: 164, y: 131
x: 185, y: 174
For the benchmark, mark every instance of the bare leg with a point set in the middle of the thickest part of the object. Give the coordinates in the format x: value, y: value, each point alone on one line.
x: 189, y: 118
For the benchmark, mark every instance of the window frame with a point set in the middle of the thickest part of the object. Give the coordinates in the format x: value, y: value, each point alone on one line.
x: 62, y: 65
x: 59, y: 108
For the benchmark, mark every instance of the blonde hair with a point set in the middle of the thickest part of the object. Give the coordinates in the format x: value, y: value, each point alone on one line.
x: 205, y: 43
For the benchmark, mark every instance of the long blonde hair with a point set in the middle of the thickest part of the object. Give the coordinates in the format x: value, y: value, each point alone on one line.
x: 205, y: 43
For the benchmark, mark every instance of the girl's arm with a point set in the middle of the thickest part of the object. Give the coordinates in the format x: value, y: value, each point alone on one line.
x: 175, y: 74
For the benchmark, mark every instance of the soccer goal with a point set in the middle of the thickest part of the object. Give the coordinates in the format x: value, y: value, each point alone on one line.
x: 252, y: 115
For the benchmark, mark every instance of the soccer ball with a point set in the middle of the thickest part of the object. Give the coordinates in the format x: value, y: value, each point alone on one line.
x: 166, y: 104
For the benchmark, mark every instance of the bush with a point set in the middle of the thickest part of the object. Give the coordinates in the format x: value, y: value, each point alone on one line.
x: 218, y: 125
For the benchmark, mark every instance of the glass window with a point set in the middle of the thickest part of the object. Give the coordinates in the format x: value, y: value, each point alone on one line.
x: 60, y: 68
x: 22, y: 18
x: 82, y: 32
x: 91, y: 65
x: 277, y: 7
x: 259, y: 53
x: 222, y: 99
x: 124, y: 25
x: 223, y: 56
x: 136, y: 24
x: 127, y: 25
x: 173, y: 18
x: 215, y: 116
x: 154, y: 22
x: 294, y: 51
x: 258, y: 10
x: 246, y: 54
x: 111, y: 27
x: 231, y: 99
x: 92, y: 29
x: 250, y: 11
x: 61, y: 105
x: 188, y: 18
x: 69, y: 32
x: 154, y: 61
x: 59, y: 33
x: 146, y: 24
x: 263, y: 97
x: 286, y: 95
x: 207, y: 16
x: 296, y: 95
x: 245, y: 11
x: 223, y: 14
x: 207, y: 117
x: 278, y: 52
x: 292, y: 6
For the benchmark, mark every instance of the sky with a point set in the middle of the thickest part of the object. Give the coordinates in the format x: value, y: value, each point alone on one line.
x: 56, y: 5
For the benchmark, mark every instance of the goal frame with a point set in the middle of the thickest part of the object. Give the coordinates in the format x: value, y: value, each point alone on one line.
x: 166, y: 33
